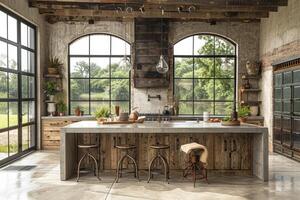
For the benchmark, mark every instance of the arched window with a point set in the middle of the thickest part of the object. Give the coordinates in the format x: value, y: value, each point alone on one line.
x: 204, y: 74
x: 95, y: 78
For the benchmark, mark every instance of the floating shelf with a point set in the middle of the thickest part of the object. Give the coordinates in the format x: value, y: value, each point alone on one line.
x: 246, y: 77
x: 251, y: 102
x: 58, y: 76
x: 251, y: 90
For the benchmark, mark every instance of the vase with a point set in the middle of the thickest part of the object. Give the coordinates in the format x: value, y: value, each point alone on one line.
x: 252, y: 68
x: 51, y: 108
x: 254, y: 110
x: 51, y: 97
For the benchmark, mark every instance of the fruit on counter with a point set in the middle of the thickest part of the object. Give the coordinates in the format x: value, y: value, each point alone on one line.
x: 214, y: 120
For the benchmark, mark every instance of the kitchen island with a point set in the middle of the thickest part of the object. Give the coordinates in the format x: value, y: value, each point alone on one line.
x: 241, y: 150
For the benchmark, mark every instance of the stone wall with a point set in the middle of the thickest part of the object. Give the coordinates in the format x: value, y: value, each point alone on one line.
x: 20, y: 7
x: 279, y: 39
x: 246, y: 35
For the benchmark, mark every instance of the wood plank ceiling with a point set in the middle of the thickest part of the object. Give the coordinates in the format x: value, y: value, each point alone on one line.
x: 199, y: 10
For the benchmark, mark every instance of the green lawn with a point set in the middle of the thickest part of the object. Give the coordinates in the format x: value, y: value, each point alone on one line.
x: 13, y: 120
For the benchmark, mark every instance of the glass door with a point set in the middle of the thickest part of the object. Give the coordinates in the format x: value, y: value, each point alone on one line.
x: 17, y: 86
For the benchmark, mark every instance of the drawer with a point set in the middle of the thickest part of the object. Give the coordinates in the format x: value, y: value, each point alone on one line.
x: 287, y: 152
x: 296, y: 155
x: 51, y: 143
x: 49, y: 135
x: 277, y: 148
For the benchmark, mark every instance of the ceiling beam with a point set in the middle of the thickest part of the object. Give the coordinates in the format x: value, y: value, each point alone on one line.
x: 174, y: 2
x: 154, y: 14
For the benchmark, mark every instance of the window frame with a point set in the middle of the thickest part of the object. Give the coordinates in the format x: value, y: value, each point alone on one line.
x: 214, y: 78
x: 89, y: 78
x: 20, y: 100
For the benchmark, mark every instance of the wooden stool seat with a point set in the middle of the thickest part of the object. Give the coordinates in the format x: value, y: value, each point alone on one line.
x: 125, y: 147
x: 160, y: 146
x: 87, y: 146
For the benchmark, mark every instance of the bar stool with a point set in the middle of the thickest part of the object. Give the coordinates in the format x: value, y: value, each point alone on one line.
x: 158, y: 149
x: 126, y: 149
x: 197, y: 161
x: 87, y: 148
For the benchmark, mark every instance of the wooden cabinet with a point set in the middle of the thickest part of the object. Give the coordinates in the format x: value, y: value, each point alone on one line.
x: 286, y: 126
x: 51, y: 126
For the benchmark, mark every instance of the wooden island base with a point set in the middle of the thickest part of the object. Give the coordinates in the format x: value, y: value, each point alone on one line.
x: 244, y: 151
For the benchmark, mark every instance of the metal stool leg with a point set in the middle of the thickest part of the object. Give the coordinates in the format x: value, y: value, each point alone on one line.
x: 166, y: 166
x: 150, y: 165
x: 96, y: 166
x: 135, y: 165
x: 78, y: 167
x: 119, y: 167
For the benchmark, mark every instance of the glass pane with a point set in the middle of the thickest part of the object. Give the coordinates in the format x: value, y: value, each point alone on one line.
x: 25, y: 88
x: 3, y: 115
x: 277, y: 93
x: 224, y: 47
x: 12, y: 57
x: 100, y: 89
x: 24, y: 34
x: 277, y: 135
x: 296, y: 141
x: 297, y: 107
x: 287, y: 94
x: 297, y: 92
x: 223, y: 108
x: 27, y: 61
x: 25, y: 112
x: 31, y: 134
x: 3, y: 22
x: 116, y: 71
x: 3, y: 85
x: 124, y: 106
x: 278, y: 106
x: 31, y: 114
x: 3, y: 145
x: 296, y: 126
x: 3, y: 54
x: 80, y: 46
x: 204, y: 45
x: 278, y: 79
x: 95, y: 105
x: 31, y: 88
x: 118, y: 46
x: 79, y: 89
x: 99, y: 67
x: 100, y: 45
x: 84, y: 106
x: 287, y: 77
x: 25, y: 138
x: 12, y: 29
x: 185, y: 108
x: 13, y: 85
x: 184, y: 89
x: 13, y: 142
x: 287, y: 106
x: 183, y: 67
x: 224, y: 67
x: 79, y: 67
x: 296, y: 75
x: 224, y: 89
x: 120, y: 89
x: 184, y: 47
x: 204, y: 89
x: 201, y: 107
x: 13, y: 114
x: 31, y: 38
x: 204, y: 67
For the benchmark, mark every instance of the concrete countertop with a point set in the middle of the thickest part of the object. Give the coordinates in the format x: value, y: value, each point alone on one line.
x: 163, y: 127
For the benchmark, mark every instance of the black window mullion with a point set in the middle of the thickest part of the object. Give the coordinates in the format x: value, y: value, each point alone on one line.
x: 89, y: 74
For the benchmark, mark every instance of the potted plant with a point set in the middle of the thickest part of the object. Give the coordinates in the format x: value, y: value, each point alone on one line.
x: 77, y: 111
x: 50, y: 89
x: 54, y: 65
x: 101, y: 114
x: 61, y: 108
x: 243, y: 112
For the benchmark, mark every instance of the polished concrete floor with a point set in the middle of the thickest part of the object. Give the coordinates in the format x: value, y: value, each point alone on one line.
x: 42, y: 183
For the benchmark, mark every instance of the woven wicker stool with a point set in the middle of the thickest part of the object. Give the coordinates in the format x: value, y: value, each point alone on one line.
x: 126, y: 148
x: 158, y: 149
x: 196, y: 164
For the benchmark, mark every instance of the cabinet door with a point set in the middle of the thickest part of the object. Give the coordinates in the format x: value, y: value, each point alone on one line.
x: 277, y: 130
x: 286, y: 131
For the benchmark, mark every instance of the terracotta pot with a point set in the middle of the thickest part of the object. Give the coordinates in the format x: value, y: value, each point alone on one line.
x: 61, y: 114
x: 52, y: 70
x: 243, y: 119
x: 77, y: 112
